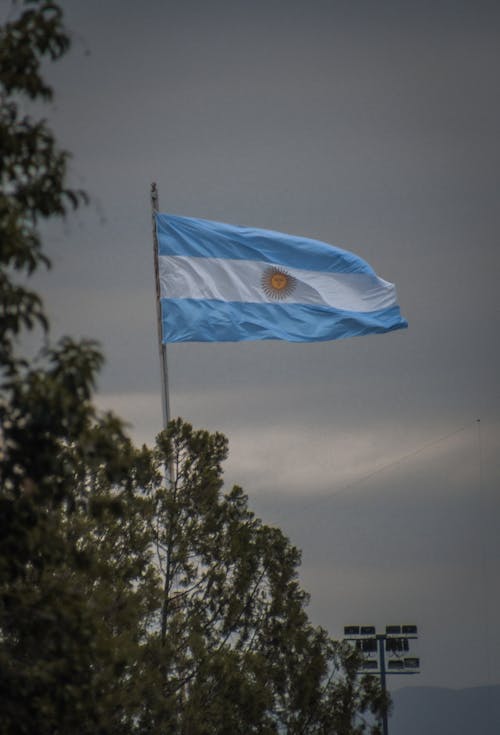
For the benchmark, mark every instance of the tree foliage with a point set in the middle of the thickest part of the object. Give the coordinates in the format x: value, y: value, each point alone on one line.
x: 137, y: 595
x: 32, y: 168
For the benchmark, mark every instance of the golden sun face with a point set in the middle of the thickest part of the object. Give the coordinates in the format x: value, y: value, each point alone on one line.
x: 277, y: 283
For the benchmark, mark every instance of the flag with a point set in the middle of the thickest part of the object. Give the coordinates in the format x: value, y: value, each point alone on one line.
x: 225, y: 283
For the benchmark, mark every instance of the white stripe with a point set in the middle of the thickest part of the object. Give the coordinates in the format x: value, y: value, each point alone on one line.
x: 222, y: 279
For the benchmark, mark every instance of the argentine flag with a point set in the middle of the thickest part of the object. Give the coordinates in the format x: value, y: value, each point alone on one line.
x: 224, y: 283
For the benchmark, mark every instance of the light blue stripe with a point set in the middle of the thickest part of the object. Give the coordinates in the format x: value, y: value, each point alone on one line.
x: 206, y: 239
x: 196, y: 320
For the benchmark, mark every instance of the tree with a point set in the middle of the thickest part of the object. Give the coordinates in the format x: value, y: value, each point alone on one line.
x: 49, y: 427
x: 136, y: 595
x: 233, y: 646
x: 32, y: 168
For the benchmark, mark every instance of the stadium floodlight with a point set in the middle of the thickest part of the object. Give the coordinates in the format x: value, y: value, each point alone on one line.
x: 409, y: 630
x: 396, y: 641
x: 351, y: 630
x: 397, y: 645
x: 368, y: 645
x: 393, y: 630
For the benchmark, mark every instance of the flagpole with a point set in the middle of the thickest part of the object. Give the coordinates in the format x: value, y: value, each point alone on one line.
x: 162, y: 347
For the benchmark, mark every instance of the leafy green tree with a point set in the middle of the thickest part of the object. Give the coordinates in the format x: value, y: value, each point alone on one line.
x: 52, y: 651
x: 234, y: 649
x: 136, y: 596
x: 32, y: 168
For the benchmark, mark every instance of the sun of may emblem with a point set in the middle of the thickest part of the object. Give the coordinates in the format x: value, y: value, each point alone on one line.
x: 277, y: 283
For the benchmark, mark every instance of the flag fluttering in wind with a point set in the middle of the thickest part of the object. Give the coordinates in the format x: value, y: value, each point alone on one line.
x: 225, y: 283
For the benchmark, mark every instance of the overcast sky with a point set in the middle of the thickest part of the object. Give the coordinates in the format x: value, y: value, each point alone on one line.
x: 370, y: 125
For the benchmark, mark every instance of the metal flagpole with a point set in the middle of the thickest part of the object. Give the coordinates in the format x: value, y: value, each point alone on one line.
x: 162, y: 347
x: 169, y: 468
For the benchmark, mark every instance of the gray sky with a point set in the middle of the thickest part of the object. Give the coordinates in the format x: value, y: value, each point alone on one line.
x: 373, y: 126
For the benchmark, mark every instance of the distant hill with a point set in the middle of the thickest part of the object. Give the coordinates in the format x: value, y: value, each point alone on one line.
x: 436, y: 711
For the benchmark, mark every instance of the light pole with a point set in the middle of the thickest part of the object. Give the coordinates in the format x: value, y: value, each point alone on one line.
x: 395, y: 642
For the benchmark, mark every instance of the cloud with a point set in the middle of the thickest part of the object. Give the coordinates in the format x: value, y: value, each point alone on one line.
x: 314, y: 458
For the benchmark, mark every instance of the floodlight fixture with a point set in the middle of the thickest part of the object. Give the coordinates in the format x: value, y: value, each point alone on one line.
x: 351, y: 630
x: 409, y: 630
x: 395, y: 663
x: 395, y: 641
x: 393, y: 630
x: 367, y: 645
x: 397, y: 645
